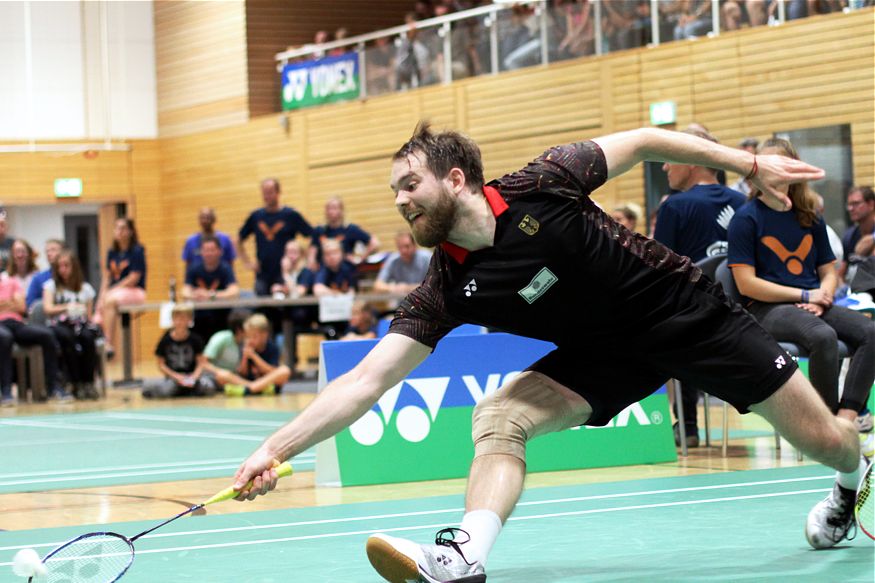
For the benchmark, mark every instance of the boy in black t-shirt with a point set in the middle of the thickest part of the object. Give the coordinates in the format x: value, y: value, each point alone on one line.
x: 181, y: 358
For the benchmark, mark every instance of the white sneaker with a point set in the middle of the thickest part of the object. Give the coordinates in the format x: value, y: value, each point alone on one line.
x: 831, y: 519
x: 864, y: 423
x: 401, y: 561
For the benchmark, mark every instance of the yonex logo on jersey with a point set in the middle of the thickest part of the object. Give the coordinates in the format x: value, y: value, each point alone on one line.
x: 470, y: 288
x: 780, y: 362
x: 539, y: 285
x: 529, y: 226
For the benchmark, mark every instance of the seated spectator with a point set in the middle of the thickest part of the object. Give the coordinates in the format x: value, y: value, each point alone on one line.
x: 5, y: 241
x: 22, y: 264
x: 743, y: 185
x: 13, y: 329
x: 297, y: 280
x: 68, y: 302
x: 860, y: 205
x: 380, y: 67
x: 412, y: 59
x: 404, y: 270
x: 340, y: 34
x: 124, y: 279
x: 335, y: 276
x: 180, y: 354
x: 362, y: 323
x: 207, y: 220
x: 259, y: 370
x: 694, y: 20
x: 211, y: 278
x: 521, y: 45
x: 626, y: 215
x: 782, y: 262
x: 35, y: 290
x: 223, y: 348
x: 355, y: 241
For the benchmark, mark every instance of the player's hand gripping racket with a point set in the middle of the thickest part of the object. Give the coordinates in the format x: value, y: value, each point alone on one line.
x: 104, y: 557
x: 864, y: 508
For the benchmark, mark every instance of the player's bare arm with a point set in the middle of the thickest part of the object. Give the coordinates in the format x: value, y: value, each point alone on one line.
x: 626, y: 149
x: 337, y: 406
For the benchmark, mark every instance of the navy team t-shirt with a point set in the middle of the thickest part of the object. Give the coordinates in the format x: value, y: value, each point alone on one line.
x: 120, y: 264
x: 780, y: 249
x: 272, y: 232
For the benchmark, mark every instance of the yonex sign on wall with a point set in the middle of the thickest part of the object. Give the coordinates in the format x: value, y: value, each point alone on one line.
x: 320, y: 81
x: 421, y: 428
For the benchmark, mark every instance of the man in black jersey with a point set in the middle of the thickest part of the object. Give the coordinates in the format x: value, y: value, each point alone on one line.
x: 531, y: 254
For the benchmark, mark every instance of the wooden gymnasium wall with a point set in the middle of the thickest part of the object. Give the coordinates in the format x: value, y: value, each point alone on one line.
x: 200, y: 63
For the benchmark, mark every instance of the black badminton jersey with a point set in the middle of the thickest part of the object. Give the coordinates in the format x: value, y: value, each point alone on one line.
x: 559, y: 270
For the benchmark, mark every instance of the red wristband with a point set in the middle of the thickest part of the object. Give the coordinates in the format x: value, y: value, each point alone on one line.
x: 753, y: 171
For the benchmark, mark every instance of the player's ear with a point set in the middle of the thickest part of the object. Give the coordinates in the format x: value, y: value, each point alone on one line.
x: 456, y: 179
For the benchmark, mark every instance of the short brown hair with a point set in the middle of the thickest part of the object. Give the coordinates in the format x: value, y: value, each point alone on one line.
x: 443, y: 152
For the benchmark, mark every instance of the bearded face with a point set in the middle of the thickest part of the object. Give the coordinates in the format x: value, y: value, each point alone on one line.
x: 433, y: 226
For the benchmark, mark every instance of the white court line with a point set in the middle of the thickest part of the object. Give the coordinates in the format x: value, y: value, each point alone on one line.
x: 166, y: 465
x: 212, y: 420
x: 460, y: 509
x: 431, y: 526
x: 122, y: 429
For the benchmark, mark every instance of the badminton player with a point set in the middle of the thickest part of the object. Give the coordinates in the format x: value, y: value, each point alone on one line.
x: 531, y: 254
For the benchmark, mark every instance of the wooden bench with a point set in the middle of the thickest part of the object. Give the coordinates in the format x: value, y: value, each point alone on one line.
x: 30, y: 372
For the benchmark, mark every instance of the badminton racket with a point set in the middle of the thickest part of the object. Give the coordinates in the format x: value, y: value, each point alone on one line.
x: 864, y: 508
x: 104, y: 557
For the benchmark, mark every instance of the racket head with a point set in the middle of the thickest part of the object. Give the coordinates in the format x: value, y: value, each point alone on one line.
x: 95, y: 557
x: 864, y: 507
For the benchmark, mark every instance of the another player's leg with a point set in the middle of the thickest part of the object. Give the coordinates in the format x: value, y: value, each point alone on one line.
x: 531, y: 405
x: 800, y: 415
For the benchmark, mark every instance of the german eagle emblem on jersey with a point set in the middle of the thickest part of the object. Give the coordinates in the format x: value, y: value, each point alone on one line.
x: 529, y: 226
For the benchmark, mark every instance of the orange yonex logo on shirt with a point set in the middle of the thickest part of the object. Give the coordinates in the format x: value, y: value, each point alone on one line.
x: 270, y: 232
x: 116, y: 268
x: 792, y: 259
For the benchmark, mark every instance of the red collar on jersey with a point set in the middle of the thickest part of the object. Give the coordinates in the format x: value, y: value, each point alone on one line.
x: 498, y: 206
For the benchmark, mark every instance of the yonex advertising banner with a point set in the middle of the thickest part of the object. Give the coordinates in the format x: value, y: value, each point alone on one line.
x: 421, y: 428
x: 321, y: 81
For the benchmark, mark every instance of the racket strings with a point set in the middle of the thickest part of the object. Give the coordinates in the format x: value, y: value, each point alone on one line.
x: 93, y: 559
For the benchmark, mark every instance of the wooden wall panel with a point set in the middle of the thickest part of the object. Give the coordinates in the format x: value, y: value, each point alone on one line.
x: 200, y: 54
x: 750, y: 83
x: 274, y: 25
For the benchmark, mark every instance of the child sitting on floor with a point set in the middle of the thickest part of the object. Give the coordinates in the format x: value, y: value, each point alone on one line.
x: 258, y: 371
x: 181, y: 358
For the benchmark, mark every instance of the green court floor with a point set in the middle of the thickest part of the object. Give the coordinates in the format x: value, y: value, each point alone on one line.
x: 81, y: 450
x: 735, y: 526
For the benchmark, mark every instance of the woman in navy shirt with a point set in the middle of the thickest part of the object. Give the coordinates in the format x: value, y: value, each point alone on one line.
x: 783, y: 264
x: 124, y: 279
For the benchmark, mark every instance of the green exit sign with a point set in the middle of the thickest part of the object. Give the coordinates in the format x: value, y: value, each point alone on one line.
x: 68, y: 187
x: 663, y: 113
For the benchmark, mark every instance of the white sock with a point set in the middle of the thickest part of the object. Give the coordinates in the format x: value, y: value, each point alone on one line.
x: 483, y: 526
x: 851, y: 480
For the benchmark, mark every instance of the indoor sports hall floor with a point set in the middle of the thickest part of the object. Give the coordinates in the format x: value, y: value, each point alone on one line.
x: 126, y: 464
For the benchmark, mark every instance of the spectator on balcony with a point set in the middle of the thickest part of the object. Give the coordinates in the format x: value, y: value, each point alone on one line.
x: 380, y: 67
x: 339, y: 34
x: 413, y: 61
x: 576, y: 22
x: 694, y: 19
x: 206, y: 218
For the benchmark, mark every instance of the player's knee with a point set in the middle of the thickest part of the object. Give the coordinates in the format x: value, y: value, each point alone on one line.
x: 497, y: 429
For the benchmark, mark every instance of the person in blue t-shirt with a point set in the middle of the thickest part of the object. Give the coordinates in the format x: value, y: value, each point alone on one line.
x: 696, y: 218
x: 692, y: 223
x: 53, y: 248
x: 207, y: 220
x: 861, y: 210
x: 210, y: 279
x: 124, y: 279
x: 783, y: 264
x: 272, y: 226
x: 336, y: 276
x: 259, y: 370
x: 348, y: 235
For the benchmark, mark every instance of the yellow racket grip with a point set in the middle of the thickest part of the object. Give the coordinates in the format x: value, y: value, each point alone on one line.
x: 282, y: 470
